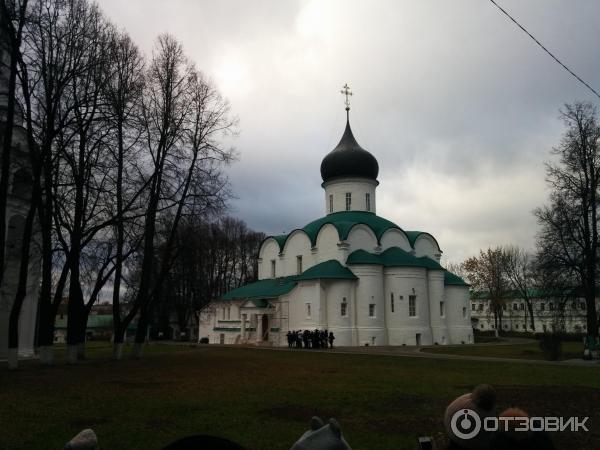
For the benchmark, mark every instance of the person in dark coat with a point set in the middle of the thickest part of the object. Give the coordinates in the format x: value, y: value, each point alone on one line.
x: 331, y: 339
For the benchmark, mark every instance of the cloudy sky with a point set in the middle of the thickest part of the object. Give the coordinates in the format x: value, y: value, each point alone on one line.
x: 458, y: 105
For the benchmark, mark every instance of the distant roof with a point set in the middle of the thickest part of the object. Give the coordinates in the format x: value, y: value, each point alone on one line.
x: 275, y: 287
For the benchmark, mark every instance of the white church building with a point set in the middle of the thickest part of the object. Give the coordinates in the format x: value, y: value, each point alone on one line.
x: 350, y: 272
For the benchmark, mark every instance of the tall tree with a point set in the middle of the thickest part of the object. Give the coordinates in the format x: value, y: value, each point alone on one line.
x: 487, y: 272
x: 569, y: 223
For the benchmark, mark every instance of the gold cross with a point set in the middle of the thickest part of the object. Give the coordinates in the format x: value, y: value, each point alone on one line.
x: 347, y: 92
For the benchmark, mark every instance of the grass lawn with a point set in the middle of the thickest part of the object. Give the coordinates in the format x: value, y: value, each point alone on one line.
x: 570, y: 350
x: 264, y: 399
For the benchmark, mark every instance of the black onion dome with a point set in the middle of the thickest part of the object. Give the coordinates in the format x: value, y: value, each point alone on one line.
x: 348, y: 159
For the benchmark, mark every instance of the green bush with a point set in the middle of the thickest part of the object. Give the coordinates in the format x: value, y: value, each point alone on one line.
x: 551, y: 346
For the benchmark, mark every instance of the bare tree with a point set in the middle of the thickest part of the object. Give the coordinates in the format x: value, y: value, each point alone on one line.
x: 520, y: 270
x: 569, y: 224
x: 487, y: 272
x: 184, y: 119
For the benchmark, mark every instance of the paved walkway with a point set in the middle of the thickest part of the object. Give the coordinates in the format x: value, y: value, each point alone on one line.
x: 416, y: 352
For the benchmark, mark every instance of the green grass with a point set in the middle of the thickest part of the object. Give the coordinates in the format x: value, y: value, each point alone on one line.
x: 264, y: 399
x: 570, y: 350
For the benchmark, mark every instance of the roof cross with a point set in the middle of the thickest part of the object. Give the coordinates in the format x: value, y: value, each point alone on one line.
x: 347, y: 92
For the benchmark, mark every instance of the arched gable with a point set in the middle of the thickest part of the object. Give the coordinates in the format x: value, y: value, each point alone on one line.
x: 269, y: 250
x: 361, y: 237
x: 327, y: 243
x: 426, y: 245
x: 394, y: 237
x: 297, y: 239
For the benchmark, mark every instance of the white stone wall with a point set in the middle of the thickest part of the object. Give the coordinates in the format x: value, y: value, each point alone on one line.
x: 403, y: 328
x: 343, y: 327
x: 459, y: 323
x: 371, y: 330
x: 358, y: 187
x: 437, y: 302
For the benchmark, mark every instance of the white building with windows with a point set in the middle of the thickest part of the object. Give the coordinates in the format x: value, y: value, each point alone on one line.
x: 565, y: 313
x: 350, y: 272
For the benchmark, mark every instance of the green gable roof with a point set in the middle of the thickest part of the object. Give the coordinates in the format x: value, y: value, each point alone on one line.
x: 275, y: 287
x: 269, y: 288
x: 344, y: 221
x: 328, y: 269
x: 392, y: 257
x: 451, y: 279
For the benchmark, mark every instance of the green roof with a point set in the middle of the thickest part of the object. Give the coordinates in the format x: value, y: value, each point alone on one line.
x: 275, y: 287
x: 327, y: 269
x: 451, y: 279
x: 392, y: 257
x: 269, y: 288
x: 344, y: 221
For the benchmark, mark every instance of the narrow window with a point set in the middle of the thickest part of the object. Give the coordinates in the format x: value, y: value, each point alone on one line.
x: 551, y: 306
x: 368, y: 201
x: 481, y: 307
x: 542, y: 306
x: 473, y: 307
x: 522, y: 306
x: 299, y: 264
x: 348, y: 201
x: 441, y: 309
x: 272, y: 268
x: 330, y: 203
x: 515, y: 306
x: 228, y: 313
x: 391, y: 299
x: 344, y: 308
x: 371, y: 310
x: 464, y: 313
x: 412, y: 305
x: 308, y: 312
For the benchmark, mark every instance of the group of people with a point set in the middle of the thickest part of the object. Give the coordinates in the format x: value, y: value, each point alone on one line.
x: 310, y: 339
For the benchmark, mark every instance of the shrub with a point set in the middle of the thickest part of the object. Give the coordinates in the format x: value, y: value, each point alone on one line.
x: 204, y: 340
x: 551, y: 346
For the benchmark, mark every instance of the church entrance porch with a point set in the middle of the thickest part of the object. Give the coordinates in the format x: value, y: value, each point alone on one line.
x: 256, y: 319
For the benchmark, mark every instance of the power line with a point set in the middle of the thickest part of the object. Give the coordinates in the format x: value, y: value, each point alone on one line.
x: 545, y: 49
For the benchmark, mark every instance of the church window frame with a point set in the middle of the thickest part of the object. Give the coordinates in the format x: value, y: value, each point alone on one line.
x: 330, y: 203
x: 348, y: 201
x: 273, y: 268
x: 464, y: 312
x: 372, y: 312
x: 392, y: 306
x: 298, y: 264
x: 442, y: 309
x: 368, y: 201
x: 344, y: 308
x: 412, y: 306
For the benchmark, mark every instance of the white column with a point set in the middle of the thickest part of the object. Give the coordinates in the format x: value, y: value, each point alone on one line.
x: 243, y: 326
x: 259, y: 328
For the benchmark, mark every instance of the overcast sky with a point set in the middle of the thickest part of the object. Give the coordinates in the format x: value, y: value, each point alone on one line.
x: 458, y: 105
